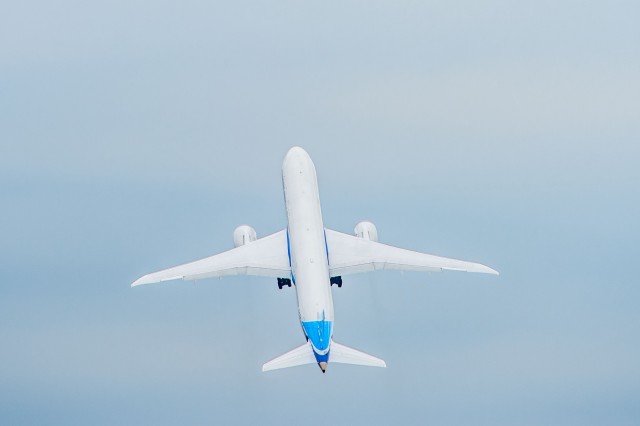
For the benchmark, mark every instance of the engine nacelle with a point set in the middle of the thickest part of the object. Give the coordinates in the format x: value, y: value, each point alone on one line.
x: 366, y: 230
x: 244, y: 234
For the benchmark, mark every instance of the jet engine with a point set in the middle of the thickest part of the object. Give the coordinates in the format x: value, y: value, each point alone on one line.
x: 244, y: 234
x: 366, y: 230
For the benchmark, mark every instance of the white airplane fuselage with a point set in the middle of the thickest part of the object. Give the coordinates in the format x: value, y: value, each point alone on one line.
x: 308, y: 253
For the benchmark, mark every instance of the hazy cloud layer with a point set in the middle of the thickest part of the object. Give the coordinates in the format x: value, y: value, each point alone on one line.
x: 137, y: 135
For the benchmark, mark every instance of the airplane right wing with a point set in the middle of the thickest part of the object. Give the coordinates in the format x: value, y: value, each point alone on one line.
x: 267, y: 257
x: 349, y: 255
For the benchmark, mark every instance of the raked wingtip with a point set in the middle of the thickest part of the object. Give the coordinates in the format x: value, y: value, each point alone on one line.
x: 140, y: 281
x: 487, y: 270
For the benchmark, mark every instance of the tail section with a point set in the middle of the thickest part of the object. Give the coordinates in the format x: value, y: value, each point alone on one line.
x: 338, y: 353
x: 298, y: 356
x: 346, y: 355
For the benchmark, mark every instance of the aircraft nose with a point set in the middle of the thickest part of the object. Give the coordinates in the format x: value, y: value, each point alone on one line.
x: 323, y: 366
x: 296, y: 150
x: 296, y: 158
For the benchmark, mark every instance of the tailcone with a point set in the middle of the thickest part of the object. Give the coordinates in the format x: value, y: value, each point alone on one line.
x: 323, y: 367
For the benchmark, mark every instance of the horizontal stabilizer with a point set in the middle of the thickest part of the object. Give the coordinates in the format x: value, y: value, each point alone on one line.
x: 298, y: 356
x: 346, y: 355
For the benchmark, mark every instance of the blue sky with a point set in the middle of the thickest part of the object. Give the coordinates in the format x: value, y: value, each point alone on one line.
x: 137, y: 135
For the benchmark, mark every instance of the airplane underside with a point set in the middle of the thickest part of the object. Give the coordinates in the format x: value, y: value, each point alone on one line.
x: 315, y: 258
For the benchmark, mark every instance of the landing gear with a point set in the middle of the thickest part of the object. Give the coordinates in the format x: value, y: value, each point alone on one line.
x: 283, y: 281
x: 337, y: 281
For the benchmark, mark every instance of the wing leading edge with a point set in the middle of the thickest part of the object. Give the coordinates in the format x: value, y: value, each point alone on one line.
x: 350, y: 255
x: 264, y: 257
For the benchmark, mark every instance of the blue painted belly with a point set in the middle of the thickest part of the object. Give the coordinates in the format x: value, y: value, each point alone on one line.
x: 319, y: 332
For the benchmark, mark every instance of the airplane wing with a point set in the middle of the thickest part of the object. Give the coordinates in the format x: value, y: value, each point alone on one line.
x: 349, y: 255
x: 266, y: 257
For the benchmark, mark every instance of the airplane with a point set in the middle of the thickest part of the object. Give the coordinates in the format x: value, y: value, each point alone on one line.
x: 313, y: 258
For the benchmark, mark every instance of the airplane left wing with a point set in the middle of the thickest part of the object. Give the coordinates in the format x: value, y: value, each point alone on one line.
x: 349, y: 255
x: 267, y: 257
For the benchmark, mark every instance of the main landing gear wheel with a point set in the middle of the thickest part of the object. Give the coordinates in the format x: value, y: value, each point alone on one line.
x: 283, y: 282
x: 337, y: 281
